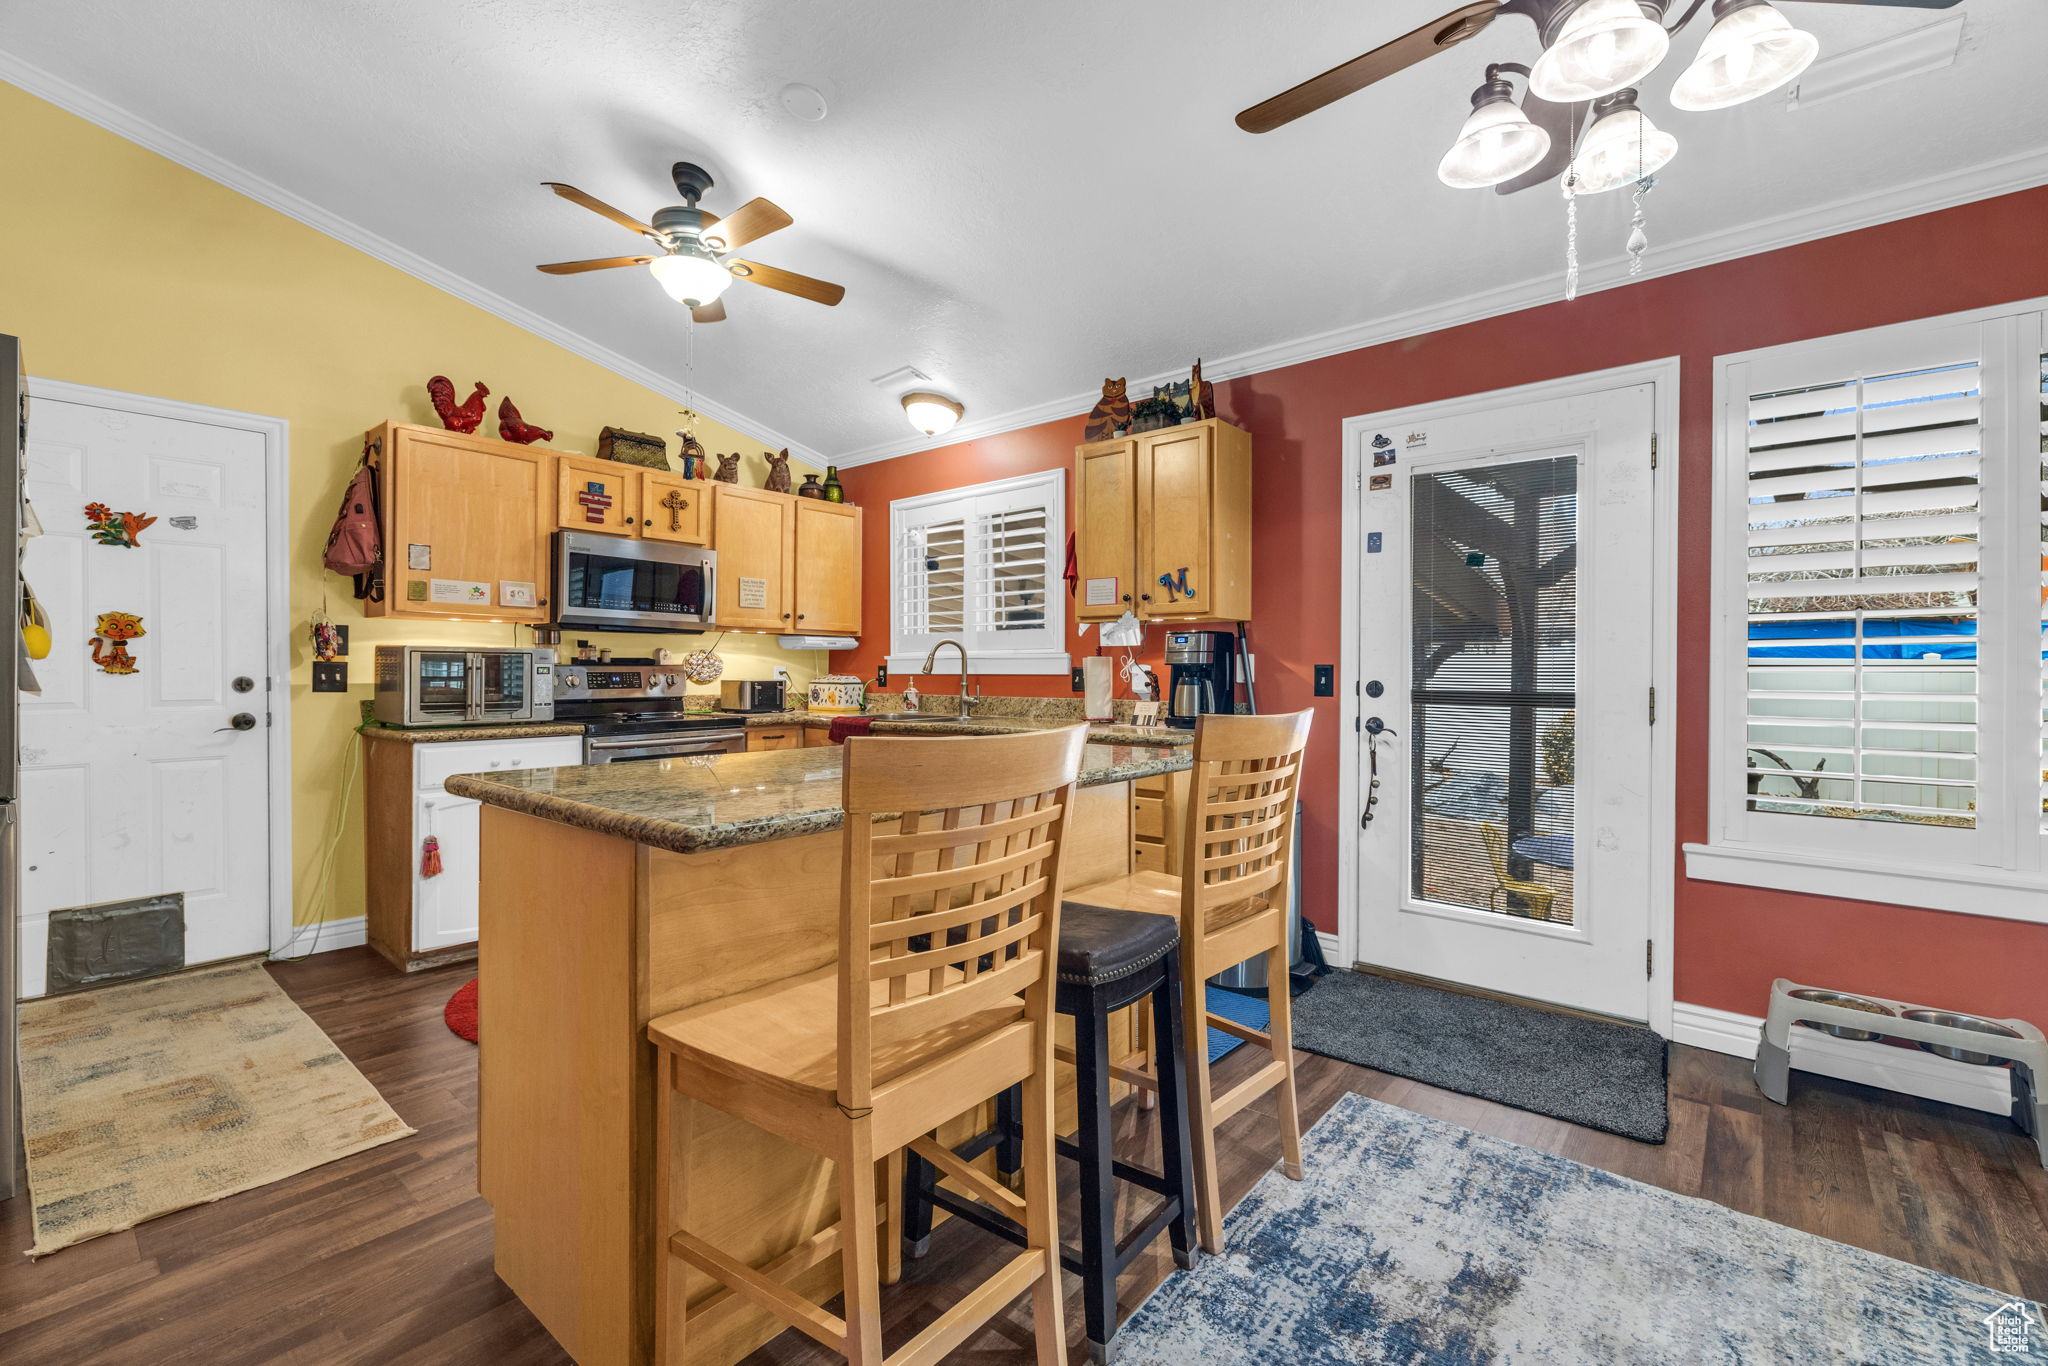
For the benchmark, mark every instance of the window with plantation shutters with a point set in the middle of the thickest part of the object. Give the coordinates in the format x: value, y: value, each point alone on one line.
x: 1880, y: 682
x: 982, y: 565
x: 1863, y: 501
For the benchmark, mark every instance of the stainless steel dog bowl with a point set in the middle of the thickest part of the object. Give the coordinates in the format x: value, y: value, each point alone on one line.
x: 1976, y: 1024
x: 1843, y: 998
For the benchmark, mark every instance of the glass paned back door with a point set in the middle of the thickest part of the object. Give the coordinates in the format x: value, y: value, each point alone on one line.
x: 1493, y: 692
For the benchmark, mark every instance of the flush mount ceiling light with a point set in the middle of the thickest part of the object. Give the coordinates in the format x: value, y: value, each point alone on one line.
x: 1751, y: 50
x: 931, y: 413
x: 1622, y: 145
x: 1602, y: 46
x: 1498, y: 142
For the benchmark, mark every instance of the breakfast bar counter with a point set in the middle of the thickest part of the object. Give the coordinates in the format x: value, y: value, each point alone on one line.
x: 617, y: 893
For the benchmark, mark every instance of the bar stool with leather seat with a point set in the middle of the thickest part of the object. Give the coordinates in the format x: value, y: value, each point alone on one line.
x: 1107, y: 960
x: 941, y: 998
x: 1231, y: 901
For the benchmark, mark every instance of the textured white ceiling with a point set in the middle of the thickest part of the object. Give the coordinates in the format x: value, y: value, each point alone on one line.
x: 1019, y: 199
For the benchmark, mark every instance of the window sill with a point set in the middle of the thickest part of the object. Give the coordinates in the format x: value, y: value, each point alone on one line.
x: 1996, y: 892
x: 1043, y: 662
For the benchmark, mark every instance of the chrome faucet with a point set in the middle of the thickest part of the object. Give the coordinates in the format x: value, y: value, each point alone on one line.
x: 933, y: 658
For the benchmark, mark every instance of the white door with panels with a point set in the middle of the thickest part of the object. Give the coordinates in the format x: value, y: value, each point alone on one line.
x: 1504, y: 674
x: 145, y: 764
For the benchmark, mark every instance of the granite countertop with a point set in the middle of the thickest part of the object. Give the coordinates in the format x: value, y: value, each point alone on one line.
x: 718, y: 801
x: 517, y: 730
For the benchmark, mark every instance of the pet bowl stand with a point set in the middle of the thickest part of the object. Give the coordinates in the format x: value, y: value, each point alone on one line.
x: 2028, y: 1053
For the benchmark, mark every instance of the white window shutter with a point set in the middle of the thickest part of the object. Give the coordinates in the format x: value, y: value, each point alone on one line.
x: 982, y: 565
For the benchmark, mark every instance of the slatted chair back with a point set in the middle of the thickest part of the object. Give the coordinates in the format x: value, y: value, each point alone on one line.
x: 956, y: 910
x: 1240, y: 826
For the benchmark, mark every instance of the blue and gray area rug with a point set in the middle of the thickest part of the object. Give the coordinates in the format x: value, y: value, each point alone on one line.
x: 1414, y: 1241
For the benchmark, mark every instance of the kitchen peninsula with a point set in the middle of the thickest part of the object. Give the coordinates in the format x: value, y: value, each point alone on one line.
x: 612, y: 895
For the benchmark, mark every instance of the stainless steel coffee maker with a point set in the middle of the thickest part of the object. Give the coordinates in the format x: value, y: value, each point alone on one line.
x: 1201, y: 675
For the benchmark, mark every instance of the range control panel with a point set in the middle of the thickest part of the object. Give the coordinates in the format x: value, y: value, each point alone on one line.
x: 574, y: 681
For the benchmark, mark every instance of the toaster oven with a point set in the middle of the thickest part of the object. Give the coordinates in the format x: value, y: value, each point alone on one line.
x: 420, y: 685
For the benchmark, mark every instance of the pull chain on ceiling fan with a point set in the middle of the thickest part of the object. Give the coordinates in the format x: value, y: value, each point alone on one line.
x: 694, y: 265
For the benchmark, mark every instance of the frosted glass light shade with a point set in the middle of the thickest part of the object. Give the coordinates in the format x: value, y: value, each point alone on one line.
x: 1748, y: 52
x: 1497, y: 143
x: 931, y: 413
x: 1604, y: 46
x: 1622, y: 146
x: 689, y: 279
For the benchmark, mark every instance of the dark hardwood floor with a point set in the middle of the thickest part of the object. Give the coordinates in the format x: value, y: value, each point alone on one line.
x: 385, y: 1257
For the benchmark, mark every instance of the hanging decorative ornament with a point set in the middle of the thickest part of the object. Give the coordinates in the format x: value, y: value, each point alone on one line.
x: 115, y: 528
x: 702, y: 666
x: 1638, y: 240
x: 1571, y: 234
x: 326, y: 637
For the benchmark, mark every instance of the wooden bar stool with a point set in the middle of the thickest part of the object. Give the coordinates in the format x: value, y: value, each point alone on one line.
x: 1107, y: 960
x: 940, y: 1000
x: 1237, y: 864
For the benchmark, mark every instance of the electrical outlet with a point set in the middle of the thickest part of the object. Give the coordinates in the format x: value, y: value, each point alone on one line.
x: 1326, y: 680
x: 342, y: 632
x: 1078, y: 685
x: 882, y: 675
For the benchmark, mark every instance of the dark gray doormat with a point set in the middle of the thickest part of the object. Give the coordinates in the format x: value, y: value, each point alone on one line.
x: 1597, y: 1073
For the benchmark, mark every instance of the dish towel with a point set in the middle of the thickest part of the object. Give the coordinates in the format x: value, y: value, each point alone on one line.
x: 843, y: 726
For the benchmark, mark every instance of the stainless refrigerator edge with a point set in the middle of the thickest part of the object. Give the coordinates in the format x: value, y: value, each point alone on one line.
x: 13, y: 443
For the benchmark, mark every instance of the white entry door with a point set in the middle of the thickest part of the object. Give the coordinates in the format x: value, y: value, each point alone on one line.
x: 1505, y: 625
x: 137, y: 784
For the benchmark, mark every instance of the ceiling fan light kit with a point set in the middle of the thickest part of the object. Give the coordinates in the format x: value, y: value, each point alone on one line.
x: 931, y: 413
x: 1751, y: 50
x: 1602, y: 46
x: 1497, y: 143
x: 1621, y: 146
x: 690, y: 278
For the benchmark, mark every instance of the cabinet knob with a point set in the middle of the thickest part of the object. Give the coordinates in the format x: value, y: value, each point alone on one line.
x: 1127, y: 597
x: 799, y: 616
x: 785, y: 616
x: 1144, y: 597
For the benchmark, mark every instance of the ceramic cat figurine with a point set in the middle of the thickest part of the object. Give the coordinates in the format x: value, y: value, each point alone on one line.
x: 778, y: 470
x: 1201, y: 394
x: 1112, y: 411
x: 728, y: 469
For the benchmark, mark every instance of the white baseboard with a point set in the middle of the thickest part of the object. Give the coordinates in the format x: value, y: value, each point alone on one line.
x: 1331, y: 949
x: 324, y: 937
x: 1911, y: 1071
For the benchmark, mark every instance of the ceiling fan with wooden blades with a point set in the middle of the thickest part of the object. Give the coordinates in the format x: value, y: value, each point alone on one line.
x: 1594, y: 52
x: 693, y: 262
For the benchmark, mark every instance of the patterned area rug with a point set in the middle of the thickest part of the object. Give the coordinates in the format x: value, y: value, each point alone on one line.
x: 142, y: 1099
x: 1417, y: 1241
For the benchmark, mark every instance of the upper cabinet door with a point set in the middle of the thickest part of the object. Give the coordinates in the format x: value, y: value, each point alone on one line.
x: 466, y: 525
x: 1106, y: 528
x: 827, y: 568
x: 673, y: 508
x: 755, y: 539
x: 599, y: 495
x: 1176, y: 488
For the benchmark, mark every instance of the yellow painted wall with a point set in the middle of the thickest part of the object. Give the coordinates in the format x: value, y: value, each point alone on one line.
x: 124, y: 270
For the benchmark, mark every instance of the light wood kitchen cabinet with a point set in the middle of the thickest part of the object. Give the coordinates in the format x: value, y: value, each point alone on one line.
x: 827, y: 568
x: 817, y: 737
x: 597, y: 495
x: 673, y: 508
x: 1157, y: 503
x: 466, y: 521
x: 756, y: 542
x: 774, y: 737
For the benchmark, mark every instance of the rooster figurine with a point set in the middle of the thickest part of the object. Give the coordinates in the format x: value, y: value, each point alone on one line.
x: 513, y: 427
x: 464, y: 418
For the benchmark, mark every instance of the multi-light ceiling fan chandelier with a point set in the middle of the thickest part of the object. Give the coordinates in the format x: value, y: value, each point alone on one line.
x: 1579, y: 121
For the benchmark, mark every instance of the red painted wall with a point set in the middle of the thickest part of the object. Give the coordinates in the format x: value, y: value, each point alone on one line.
x: 1731, y: 940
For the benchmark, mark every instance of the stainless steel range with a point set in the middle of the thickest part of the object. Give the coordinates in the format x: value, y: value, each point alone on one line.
x: 634, y: 710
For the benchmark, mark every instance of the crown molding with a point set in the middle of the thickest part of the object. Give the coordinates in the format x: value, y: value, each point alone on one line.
x: 1985, y: 181
x: 134, y: 128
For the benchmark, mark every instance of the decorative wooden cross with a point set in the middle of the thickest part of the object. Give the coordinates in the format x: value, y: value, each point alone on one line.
x: 595, y: 502
x: 675, y: 503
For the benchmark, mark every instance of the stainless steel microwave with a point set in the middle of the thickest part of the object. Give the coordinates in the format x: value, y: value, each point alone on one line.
x: 617, y: 583
x: 419, y: 685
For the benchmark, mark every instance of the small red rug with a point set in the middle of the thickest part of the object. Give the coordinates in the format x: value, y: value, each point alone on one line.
x: 460, y: 1012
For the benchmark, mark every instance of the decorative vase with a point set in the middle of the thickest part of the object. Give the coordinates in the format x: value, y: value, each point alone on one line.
x: 810, y: 488
x: 833, y: 492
